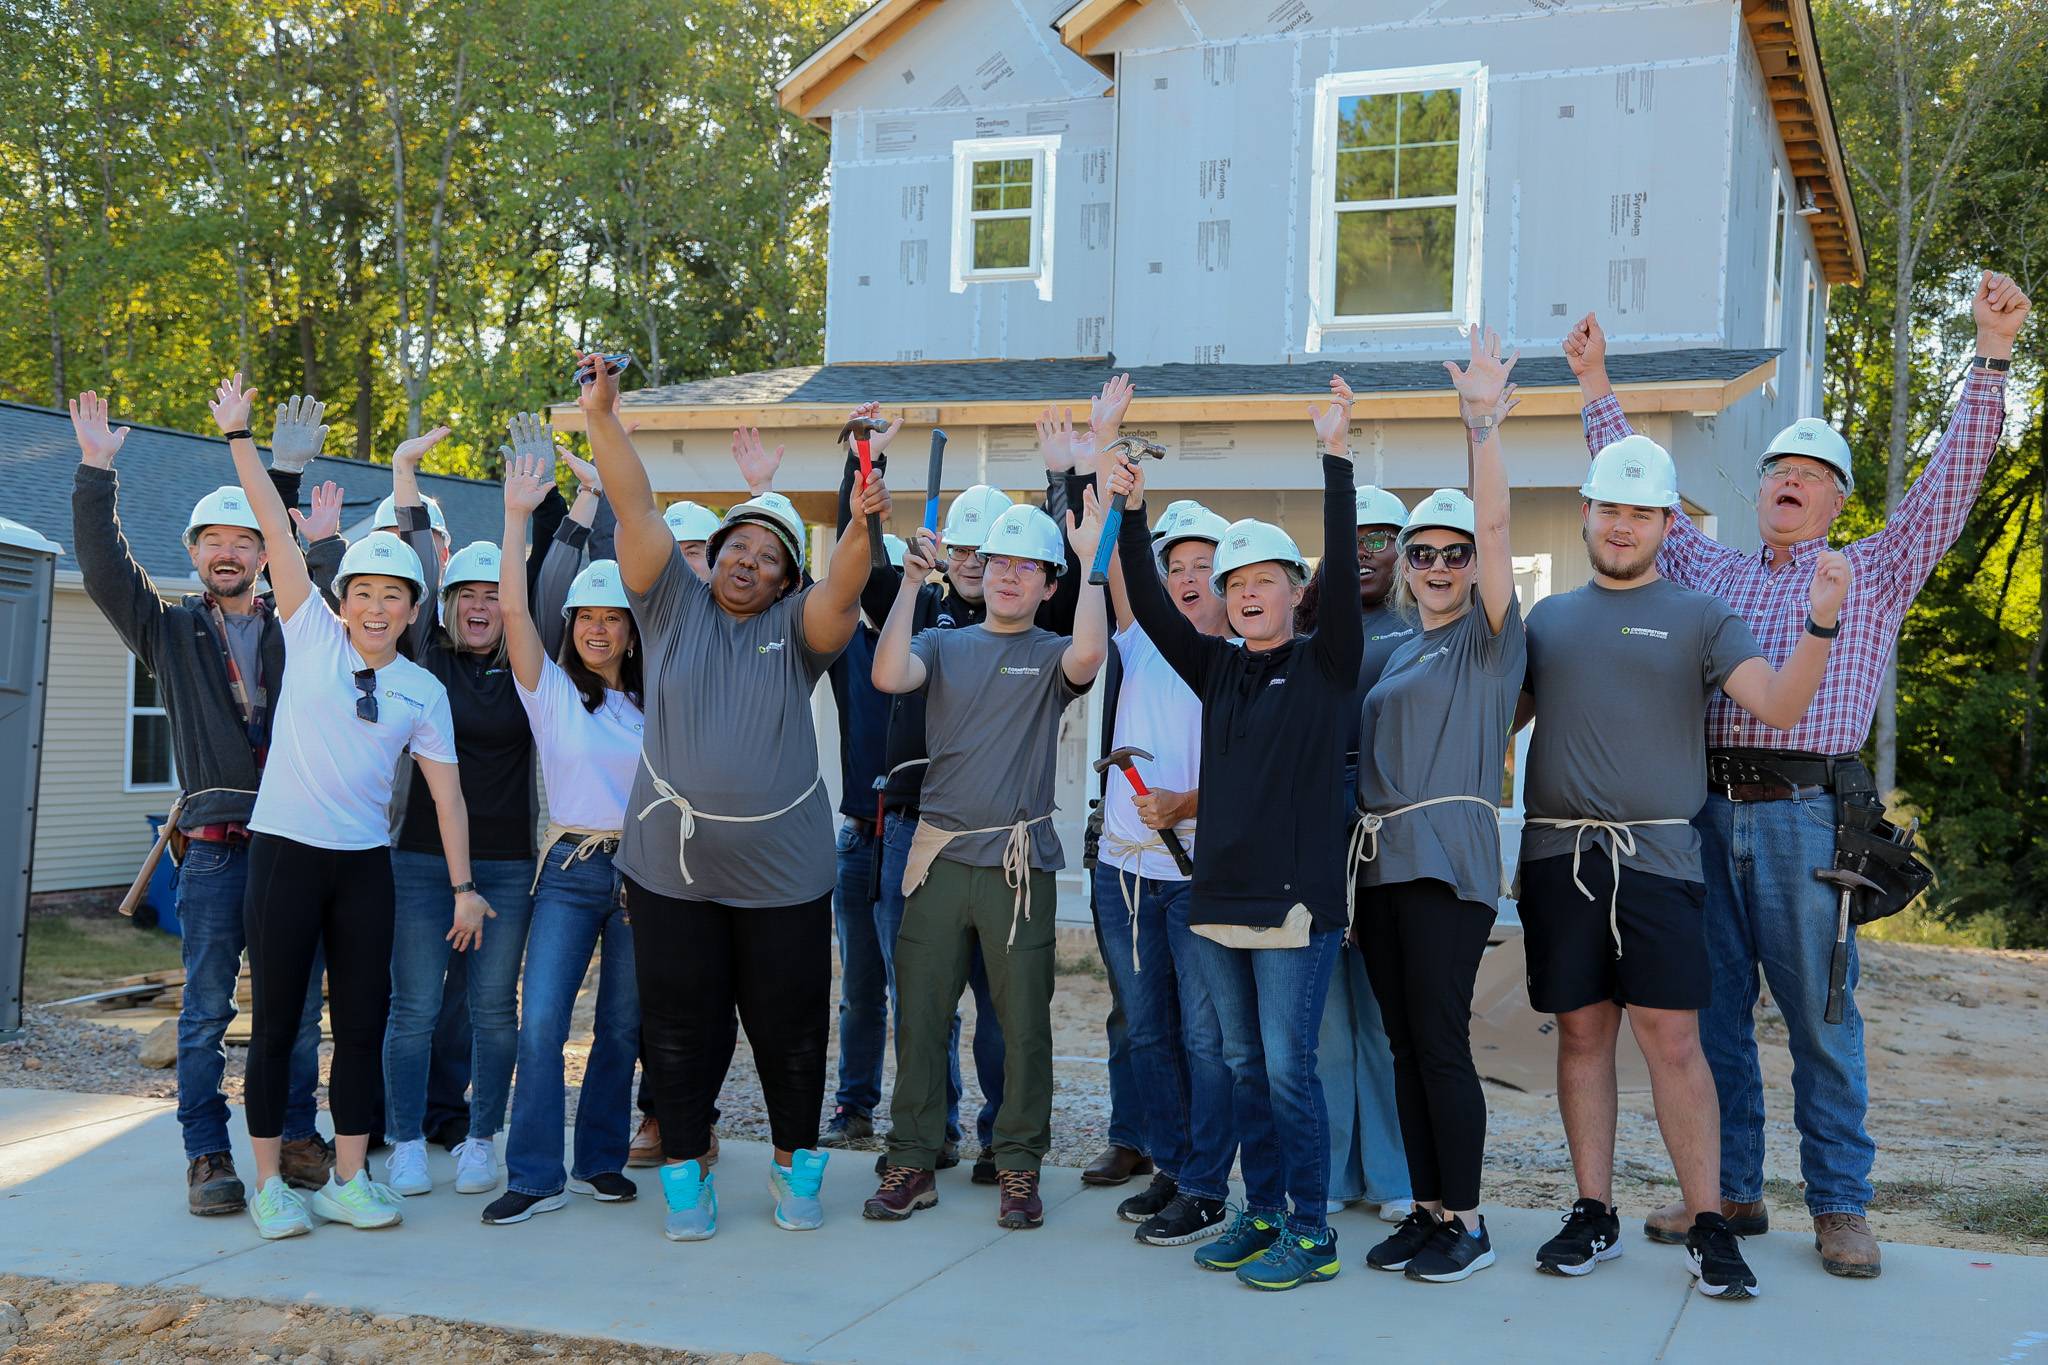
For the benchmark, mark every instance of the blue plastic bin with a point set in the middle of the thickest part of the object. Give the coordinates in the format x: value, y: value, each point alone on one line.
x: 162, y: 896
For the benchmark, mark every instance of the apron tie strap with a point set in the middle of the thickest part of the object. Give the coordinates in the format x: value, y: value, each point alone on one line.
x: 665, y: 795
x: 1365, y: 843
x: 1621, y: 840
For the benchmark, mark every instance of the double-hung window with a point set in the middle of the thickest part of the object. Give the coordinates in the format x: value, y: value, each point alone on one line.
x: 1003, y: 210
x: 149, y: 766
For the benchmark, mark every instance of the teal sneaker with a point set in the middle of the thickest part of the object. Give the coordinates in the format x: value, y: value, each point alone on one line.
x: 1294, y: 1259
x: 1247, y: 1240
x: 692, y: 1203
x: 361, y: 1203
x: 796, y: 1190
x: 278, y: 1211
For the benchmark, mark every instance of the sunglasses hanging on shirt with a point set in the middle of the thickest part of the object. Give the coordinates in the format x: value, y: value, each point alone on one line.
x: 366, y: 705
x: 1454, y: 556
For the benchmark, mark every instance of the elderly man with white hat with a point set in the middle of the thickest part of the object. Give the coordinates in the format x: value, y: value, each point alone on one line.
x: 1776, y: 794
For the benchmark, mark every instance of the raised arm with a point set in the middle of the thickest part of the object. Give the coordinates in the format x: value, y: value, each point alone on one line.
x: 231, y: 406
x: 118, y: 585
x: 1338, y: 645
x: 1186, y: 649
x: 895, y: 668
x: 1484, y: 397
x: 643, y: 540
x: 832, y: 610
x: 1779, y: 697
x: 1089, y: 644
x: 524, y: 491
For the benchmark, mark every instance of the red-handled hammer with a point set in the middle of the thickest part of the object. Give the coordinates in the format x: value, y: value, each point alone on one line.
x: 859, y: 431
x: 1121, y: 758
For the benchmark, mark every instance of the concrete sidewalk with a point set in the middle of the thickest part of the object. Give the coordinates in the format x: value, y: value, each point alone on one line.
x: 89, y: 1191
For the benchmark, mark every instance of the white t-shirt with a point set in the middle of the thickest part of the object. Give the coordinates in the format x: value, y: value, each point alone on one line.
x: 587, y: 757
x: 328, y: 779
x: 1159, y: 713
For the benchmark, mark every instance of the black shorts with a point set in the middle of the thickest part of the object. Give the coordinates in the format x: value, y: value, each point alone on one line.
x: 1571, y: 950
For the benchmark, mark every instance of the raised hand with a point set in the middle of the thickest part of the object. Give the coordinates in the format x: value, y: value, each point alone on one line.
x: 1831, y: 576
x: 585, y: 471
x: 1333, y: 423
x: 527, y: 481
x: 1084, y: 535
x: 599, y: 392
x: 1128, y: 478
x: 325, y: 518
x: 1106, y: 410
x: 920, y: 558
x: 1484, y: 392
x: 298, y: 435
x: 230, y: 404
x: 97, y: 443
x: 532, y: 436
x: 873, y: 496
x: 1999, y: 310
x: 757, y: 466
x: 1056, y: 439
x: 1585, y: 348
x: 410, y: 453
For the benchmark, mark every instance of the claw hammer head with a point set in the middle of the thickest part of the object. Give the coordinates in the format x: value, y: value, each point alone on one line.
x: 1134, y: 449
x: 1121, y: 758
x: 1845, y: 879
x: 861, y: 429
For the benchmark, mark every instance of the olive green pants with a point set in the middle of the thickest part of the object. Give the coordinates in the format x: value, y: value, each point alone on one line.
x: 957, y: 907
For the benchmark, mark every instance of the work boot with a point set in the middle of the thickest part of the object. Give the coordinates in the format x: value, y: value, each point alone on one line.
x: 305, y: 1163
x: 646, y: 1148
x: 905, y: 1190
x: 1116, y: 1166
x: 1021, y: 1206
x: 211, y: 1185
x: 1671, y: 1223
x: 1846, y: 1247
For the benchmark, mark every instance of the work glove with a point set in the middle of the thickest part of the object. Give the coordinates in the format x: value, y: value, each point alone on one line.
x: 533, y: 435
x: 298, y: 435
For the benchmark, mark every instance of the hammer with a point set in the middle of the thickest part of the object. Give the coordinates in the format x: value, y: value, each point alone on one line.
x: 1121, y: 758
x: 1130, y: 449
x: 859, y: 430
x: 1838, y: 969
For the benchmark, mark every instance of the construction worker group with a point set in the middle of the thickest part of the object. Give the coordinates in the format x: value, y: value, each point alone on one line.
x: 1295, y: 871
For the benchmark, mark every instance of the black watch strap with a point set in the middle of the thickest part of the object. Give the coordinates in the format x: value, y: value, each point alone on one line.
x: 1985, y: 362
x: 243, y: 435
x: 1824, y: 632
x: 461, y: 887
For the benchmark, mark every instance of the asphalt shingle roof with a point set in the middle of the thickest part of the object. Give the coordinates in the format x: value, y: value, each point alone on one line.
x: 163, y: 472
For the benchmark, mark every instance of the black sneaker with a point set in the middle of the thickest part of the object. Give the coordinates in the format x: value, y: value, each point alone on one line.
x: 1156, y: 1196
x: 1452, y: 1253
x: 1188, y: 1218
x: 1713, y: 1253
x: 847, y: 1127
x: 1400, y: 1248
x: 606, y: 1187
x: 514, y: 1207
x: 1592, y: 1234
x: 985, y: 1172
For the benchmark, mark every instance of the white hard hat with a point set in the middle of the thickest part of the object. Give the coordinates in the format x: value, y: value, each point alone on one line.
x: 597, y: 586
x: 1185, y: 520
x: 1024, y: 532
x: 967, y: 520
x: 1253, y: 542
x: 1447, y: 507
x: 895, y: 545
x: 771, y: 510
x: 226, y: 505
x: 382, y: 553
x: 476, y: 562
x: 387, y: 514
x: 690, y: 521
x: 1812, y: 437
x: 1378, y: 507
x: 1634, y: 471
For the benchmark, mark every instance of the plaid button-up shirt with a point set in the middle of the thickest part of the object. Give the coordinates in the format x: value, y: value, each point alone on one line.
x: 1889, y: 568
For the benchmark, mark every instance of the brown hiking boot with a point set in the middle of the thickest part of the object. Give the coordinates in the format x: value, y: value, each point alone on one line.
x: 646, y: 1148
x: 905, y: 1190
x: 1846, y: 1246
x: 305, y: 1163
x: 1116, y: 1166
x: 1022, y: 1207
x: 211, y: 1185
x: 1671, y: 1223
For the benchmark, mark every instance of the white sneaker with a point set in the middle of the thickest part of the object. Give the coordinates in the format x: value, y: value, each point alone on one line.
x: 1396, y: 1210
x: 476, y: 1166
x: 406, y: 1168
x: 278, y: 1211
x: 1332, y: 1207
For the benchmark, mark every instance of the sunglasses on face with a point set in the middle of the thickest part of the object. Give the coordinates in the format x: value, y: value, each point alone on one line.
x: 1372, y: 542
x: 1457, y: 556
x: 614, y: 364
x: 366, y: 705
x: 1023, y: 568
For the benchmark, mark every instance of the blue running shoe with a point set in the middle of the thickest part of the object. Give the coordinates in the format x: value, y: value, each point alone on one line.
x: 1294, y: 1259
x: 1247, y: 1240
x: 796, y: 1190
x: 692, y: 1203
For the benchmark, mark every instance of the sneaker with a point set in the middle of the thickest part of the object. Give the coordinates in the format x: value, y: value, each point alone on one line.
x: 1713, y: 1253
x: 905, y: 1190
x: 985, y: 1172
x: 646, y: 1148
x: 1333, y: 1207
x: 1592, y: 1234
x: 1412, y: 1236
x: 1247, y: 1240
x: 514, y: 1207
x: 1452, y: 1253
x: 692, y: 1203
x: 847, y: 1127
x: 476, y: 1166
x: 796, y: 1190
x: 405, y: 1170
x: 949, y: 1155
x: 211, y: 1185
x: 1189, y: 1218
x: 278, y: 1211
x: 1294, y: 1259
x: 1021, y: 1206
x: 361, y: 1203
x: 305, y: 1163
x: 606, y: 1187
x: 1156, y: 1196
x: 1396, y: 1210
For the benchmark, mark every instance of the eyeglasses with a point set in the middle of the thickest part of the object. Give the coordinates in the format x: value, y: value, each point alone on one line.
x: 1372, y: 542
x: 366, y: 705
x: 960, y: 554
x: 1454, y: 556
x: 1800, y: 474
x: 1023, y: 568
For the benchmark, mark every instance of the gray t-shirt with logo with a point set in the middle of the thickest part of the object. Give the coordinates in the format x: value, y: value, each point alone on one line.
x: 993, y: 702
x: 729, y: 727
x: 1622, y: 677
x: 1436, y: 724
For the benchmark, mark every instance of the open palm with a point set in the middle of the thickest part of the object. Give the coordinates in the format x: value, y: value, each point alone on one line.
x: 1483, y: 384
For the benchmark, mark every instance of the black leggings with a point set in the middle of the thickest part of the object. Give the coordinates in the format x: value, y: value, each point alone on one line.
x: 1422, y: 948
x: 298, y: 897
x: 698, y: 960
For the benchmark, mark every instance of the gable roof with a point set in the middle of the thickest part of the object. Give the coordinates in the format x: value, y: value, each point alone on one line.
x: 842, y: 56
x: 163, y: 472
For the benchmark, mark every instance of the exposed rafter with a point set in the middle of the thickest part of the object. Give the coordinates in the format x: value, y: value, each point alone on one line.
x: 1781, y: 31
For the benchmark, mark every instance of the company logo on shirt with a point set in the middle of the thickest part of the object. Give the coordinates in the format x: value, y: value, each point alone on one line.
x: 1645, y: 630
x: 396, y: 695
x: 774, y: 644
x: 1436, y: 653
x: 1011, y: 672
x: 1393, y: 634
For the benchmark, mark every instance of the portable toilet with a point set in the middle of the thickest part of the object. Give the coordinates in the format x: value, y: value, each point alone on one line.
x: 28, y: 571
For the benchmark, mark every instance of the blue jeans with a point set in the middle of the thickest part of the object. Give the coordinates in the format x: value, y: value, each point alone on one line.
x: 575, y: 909
x: 1356, y: 1066
x: 210, y: 885
x: 420, y: 957
x: 988, y: 1033
x: 1126, y: 1121
x: 863, y: 976
x: 1764, y: 906
x: 1269, y: 1002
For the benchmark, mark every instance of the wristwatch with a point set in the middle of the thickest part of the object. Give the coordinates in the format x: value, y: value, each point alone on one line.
x: 1985, y: 362
x: 1823, y: 632
x: 461, y: 887
x: 247, y: 435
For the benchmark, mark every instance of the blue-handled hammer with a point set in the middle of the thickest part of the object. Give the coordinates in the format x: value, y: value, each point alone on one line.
x: 1129, y: 449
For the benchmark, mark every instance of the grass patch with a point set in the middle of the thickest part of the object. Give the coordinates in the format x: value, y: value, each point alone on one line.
x: 2012, y: 1209
x: 68, y: 955
x: 1892, y: 1196
x: 1915, y: 925
x: 1080, y: 962
x: 1777, y: 1191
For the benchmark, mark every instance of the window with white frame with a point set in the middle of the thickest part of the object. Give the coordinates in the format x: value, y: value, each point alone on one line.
x: 1774, y: 288
x: 1003, y: 210
x: 1395, y: 179
x: 1810, y: 339
x: 149, y: 766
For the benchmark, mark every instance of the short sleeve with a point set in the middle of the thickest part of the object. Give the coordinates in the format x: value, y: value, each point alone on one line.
x: 433, y: 735
x: 1726, y: 643
x: 816, y: 663
x: 544, y: 705
x: 1063, y: 687
x: 314, y: 632
x: 1505, y: 654
x: 925, y: 648
x: 659, y: 610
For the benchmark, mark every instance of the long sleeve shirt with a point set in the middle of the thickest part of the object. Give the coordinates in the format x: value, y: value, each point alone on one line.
x: 1889, y: 568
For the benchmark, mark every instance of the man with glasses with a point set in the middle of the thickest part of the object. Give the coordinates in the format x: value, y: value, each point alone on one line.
x: 1772, y: 794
